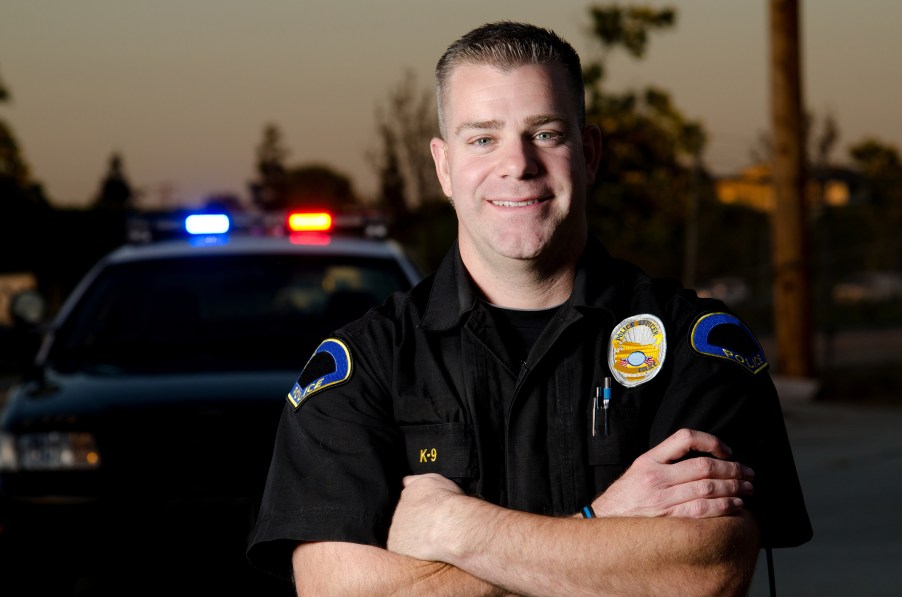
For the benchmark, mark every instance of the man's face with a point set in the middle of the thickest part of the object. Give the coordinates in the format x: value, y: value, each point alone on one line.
x: 515, y: 162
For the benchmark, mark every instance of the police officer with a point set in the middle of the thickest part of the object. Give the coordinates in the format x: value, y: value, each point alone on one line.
x: 536, y: 417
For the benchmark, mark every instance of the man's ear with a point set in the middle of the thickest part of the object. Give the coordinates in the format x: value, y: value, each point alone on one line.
x: 591, y: 151
x: 442, y: 169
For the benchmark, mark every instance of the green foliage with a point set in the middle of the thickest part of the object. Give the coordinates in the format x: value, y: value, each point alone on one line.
x: 628, y: 27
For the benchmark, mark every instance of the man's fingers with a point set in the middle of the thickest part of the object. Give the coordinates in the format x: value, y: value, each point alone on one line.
x: 695, y: 469
x: 708, y: 489
x: 708, y: 508
x: 688, y: 440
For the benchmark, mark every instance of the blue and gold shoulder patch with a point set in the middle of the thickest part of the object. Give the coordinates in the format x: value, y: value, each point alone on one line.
x: 724, y: 336
x: 330, y: 365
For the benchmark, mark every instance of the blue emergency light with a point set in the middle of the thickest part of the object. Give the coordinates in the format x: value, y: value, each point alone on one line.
x: 207, y: 224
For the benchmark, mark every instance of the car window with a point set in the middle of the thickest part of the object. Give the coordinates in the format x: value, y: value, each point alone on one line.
x: 218, y: 313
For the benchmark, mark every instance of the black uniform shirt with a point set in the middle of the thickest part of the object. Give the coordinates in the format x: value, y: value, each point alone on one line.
x: 410, y: 388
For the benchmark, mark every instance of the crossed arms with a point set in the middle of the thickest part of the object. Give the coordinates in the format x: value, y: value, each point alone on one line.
x: 665, y: 527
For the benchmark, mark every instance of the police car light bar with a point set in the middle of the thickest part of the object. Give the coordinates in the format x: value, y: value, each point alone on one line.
x: 216, y: 226
x: 309, y: 222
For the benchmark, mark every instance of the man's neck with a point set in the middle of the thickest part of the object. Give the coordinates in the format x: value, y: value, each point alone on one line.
x: 523, y: 283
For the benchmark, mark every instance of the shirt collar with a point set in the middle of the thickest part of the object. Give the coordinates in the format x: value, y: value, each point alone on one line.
x: 453, y: 293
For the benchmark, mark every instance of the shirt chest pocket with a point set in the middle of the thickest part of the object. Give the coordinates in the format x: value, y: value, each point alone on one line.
x: 448, y: 449
x: 618, y: 440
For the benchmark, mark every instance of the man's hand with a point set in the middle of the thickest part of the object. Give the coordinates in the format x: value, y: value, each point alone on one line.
x: 656, y: 485
x: 421, y: 517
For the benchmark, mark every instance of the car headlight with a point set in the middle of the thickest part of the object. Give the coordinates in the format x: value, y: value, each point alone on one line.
x: 48, y: 451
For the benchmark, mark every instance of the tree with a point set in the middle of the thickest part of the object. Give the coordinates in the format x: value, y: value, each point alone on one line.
x: 4, y: 92
x: 405, y: 124
x: 392, y: 193
x: 408, y: 187
x: 881, y: 168
x: 879, y: 163
x: 651, y: 174
x: 280, y: 187
x: 115, y: 190
x: 13, y: 169
x: 318, y: 186
x: 269, y: 190
x: 22, y: 202
x: 791, y: 254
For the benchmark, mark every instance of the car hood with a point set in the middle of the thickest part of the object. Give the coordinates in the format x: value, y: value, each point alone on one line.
x: 66, y: 398
x: 159, y: 437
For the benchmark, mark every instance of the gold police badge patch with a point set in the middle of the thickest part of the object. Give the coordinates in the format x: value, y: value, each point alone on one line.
x: 637, y: 349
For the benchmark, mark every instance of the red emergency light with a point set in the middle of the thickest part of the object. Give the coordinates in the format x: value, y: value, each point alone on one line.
x: 309, y: 221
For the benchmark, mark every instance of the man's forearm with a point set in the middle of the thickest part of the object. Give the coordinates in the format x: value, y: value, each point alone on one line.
x: 337, y: 569
x: 536, y: 555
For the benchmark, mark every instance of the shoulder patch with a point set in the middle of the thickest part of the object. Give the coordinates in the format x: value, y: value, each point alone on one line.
x: 724, y: 336
x: 330, y: 365
x: 637, y: 349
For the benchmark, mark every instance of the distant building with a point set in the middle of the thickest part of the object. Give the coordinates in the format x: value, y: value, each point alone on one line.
x: 753, y: 187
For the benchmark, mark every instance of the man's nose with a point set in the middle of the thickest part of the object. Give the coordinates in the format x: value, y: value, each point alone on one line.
x: 518, y: 159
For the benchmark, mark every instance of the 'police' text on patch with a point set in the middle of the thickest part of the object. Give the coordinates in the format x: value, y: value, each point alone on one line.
x: 330, y: 365
x: 724, y: 336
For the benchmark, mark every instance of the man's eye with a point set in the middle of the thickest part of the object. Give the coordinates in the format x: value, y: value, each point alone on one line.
x: 482, y: 141
x: 548, y: 136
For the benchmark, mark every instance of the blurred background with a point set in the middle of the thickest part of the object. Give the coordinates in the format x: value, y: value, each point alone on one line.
x: 108, y: 109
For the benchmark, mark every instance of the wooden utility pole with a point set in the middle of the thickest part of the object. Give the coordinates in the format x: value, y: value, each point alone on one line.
x: 790, y: 260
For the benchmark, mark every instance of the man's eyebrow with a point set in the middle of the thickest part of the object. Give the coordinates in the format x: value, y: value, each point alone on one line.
x: 542, y: 119
x: 479, y: 125
x: 532, y: 121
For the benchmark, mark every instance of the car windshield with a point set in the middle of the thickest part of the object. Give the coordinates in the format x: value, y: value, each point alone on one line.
x: 217, y: 313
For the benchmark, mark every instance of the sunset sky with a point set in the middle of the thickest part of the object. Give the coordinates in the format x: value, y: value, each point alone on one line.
x: 183, y: 89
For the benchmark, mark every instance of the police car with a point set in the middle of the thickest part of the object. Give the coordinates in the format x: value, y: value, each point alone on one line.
x: 136, y: 450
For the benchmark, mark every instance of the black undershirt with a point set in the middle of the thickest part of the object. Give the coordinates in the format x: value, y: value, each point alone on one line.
x: 518, y: 331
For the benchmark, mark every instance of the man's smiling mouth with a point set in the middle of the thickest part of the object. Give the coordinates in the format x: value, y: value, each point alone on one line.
x: 526, y: 203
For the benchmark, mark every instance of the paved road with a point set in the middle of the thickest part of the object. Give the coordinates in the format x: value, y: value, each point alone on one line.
x: 850, y: 464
